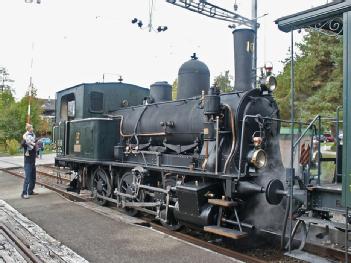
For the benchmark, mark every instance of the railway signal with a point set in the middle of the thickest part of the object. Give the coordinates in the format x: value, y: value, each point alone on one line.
x: 31, y: 1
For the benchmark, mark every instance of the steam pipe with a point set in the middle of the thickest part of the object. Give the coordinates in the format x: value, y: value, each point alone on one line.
x: 242, y: 140
x: 232, y: 123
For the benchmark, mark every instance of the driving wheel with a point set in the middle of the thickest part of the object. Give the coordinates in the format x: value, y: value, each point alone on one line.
x: 126, y: 186
x: 101, y: 185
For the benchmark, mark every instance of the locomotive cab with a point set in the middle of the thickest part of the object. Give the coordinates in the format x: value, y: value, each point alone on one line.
x: 91, y: 101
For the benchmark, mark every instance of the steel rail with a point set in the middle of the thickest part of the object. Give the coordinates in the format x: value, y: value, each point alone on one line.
x: 19, y: 244
x: 204, y: 244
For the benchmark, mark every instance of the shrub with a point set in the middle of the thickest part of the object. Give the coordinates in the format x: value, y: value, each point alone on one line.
x: 12, y: 146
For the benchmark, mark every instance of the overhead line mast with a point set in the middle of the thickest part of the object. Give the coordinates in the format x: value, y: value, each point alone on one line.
x: 205, y: 8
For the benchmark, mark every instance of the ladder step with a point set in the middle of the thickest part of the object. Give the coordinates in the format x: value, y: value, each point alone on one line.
x: 220, y: 202
x: 322, y: 222
x: 226, y: 232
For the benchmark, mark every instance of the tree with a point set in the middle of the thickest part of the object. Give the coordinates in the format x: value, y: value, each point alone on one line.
x: 14, y: 115
x: 44, y: 127
x: 7, y: 101
x: 318, y: 78
x: 223, y: 82
x: 5, y: 80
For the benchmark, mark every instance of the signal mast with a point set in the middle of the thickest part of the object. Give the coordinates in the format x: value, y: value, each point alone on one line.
x: 205, y: 8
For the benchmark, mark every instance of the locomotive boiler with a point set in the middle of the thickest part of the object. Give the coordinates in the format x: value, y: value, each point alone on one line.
x: 206, y: 159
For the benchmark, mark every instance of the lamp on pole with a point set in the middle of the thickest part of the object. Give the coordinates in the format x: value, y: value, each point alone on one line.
x: 31, y: 1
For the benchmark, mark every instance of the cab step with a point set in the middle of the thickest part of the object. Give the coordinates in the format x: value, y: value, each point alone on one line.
x: 221, y: 202
x: 226, y: 232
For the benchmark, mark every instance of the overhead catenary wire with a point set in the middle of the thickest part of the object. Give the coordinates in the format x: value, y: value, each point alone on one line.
x: 151, y: 10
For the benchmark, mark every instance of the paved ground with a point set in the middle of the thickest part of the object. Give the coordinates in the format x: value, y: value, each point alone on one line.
x: 42, y: 246
x: 17, y: 161
x: 98, y: 238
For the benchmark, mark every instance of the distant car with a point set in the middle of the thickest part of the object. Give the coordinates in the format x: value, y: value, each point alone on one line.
x: 321, y: 138
x: 46, y: 140
x: 328, y: 137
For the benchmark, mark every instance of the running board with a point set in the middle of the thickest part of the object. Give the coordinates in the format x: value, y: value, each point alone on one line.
x: 226, y: 232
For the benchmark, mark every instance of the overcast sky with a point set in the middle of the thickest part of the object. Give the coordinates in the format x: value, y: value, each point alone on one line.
x: 75, y: 41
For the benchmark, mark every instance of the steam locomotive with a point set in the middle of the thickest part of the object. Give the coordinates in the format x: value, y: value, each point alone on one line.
x: 207, y: 159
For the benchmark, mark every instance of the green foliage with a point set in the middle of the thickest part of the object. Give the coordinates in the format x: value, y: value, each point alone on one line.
x: 13, y: 116
x: 6, y: 99
x: 318, y: 78
x: 5, y: 80
x: 223, y: 82
x: 44, y: 127
x: 12, y: 146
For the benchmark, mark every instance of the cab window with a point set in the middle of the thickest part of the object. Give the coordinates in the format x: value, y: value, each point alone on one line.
x: 96, y: 101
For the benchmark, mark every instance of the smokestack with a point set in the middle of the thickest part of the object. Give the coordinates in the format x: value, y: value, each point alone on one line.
x: 243, y: 59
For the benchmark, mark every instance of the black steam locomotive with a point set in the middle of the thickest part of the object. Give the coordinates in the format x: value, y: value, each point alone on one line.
x: 207, y: 159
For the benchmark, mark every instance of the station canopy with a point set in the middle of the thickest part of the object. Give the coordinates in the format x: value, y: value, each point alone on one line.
x: 327, y: 18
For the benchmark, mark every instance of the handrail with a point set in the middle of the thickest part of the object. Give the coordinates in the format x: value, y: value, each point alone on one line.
x: 305, y: 131
x: 243, y: 131
x: 337, y: 168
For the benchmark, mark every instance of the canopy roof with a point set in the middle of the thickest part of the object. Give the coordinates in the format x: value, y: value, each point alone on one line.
x: 327, y: 17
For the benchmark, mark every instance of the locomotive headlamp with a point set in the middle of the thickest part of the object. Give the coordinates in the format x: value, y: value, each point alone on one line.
x: 258, y: 158
x: 271, y: 83
x: 268, y: 83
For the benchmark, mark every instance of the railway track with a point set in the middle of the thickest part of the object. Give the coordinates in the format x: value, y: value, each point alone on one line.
x: 50, y: 181
x: 47, y: 180
x: 16, y: 249
x: 43, y: 181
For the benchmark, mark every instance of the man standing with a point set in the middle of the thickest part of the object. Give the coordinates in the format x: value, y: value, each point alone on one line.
x: 29, y: 162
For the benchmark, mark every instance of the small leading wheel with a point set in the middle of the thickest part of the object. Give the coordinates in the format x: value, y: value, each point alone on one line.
x: 101, y: 184
x: 172, y: 223
x: 126, y: 186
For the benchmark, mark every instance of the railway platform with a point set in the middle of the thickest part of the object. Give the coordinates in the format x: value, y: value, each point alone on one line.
x: 94, y: 236
x: 17, y: 161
